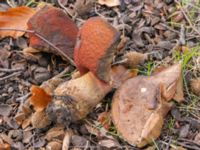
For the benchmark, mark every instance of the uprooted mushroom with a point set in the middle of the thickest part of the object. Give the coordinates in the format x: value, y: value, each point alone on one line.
x: 58, y: 29
x: 94, y: 51
x: 140, y: 104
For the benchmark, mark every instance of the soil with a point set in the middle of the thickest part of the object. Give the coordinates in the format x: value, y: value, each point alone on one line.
x: 168, y: 31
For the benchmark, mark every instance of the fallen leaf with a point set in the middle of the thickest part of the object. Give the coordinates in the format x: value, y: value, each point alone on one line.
x: 39, y: 98
x: 15, y: 18
x: 55, y: 133
x: 197, y: 138
x: 5, y: 109
x: 105, y: 119
x: 83, y: 7
x: 140, y: 105
x: 58, y: 29
x: 4, y: 55
x: 109, y: 3
x: 27, y: 135
x: 54, y: 145
x: 5, y: 146
x: 195, y: 86
x: 20, y: 118
x: 67, y: 140
x: 26, y: 123
x: 109, y: 143
x: 134, y: 58
x: 79, y: 141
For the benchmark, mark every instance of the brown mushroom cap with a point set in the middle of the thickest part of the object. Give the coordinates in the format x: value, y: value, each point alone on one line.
x: 55, y: 26
x: 95, y: 47
x: 138, y: 108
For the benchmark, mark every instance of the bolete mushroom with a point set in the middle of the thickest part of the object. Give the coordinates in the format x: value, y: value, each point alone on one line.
x: 94, y: 51
x: 95, y: 47
x: 56, y: 27
x: 140, y: 104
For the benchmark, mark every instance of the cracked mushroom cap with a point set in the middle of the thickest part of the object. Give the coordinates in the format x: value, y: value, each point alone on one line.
x: 138, y: 107
x: 95, y: 47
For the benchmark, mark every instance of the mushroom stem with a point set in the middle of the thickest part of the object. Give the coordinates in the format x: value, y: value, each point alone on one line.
x: 86, y: 92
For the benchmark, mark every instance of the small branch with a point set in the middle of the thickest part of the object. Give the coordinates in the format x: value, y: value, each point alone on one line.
x: 9, y: 70
x: 10, y: 76
x: 45, y: 40
x: 23, y: 98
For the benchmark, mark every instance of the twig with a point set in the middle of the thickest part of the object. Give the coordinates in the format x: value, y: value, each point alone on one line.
x: 187, y: 18
x: 9, y: 70
x: 169, y: 28
x: 45, y: 40
x: 65, y: 9
x: 23, y: 98
x: 10, y: 76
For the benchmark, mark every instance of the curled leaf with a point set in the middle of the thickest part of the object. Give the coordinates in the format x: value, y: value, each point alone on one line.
x: 15, y: 18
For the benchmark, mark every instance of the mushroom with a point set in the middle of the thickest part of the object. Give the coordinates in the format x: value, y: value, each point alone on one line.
x: 140, y: 104
x: 56, y: 27
x: 95, y: 48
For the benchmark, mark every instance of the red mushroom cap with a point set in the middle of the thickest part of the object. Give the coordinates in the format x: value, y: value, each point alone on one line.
x: 95, y: 47
x: 55, y: 26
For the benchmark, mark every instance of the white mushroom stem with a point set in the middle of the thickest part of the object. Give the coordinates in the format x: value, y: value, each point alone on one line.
x: 86, y: 91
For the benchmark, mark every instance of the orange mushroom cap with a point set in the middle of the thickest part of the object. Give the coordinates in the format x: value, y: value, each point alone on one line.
x: 95, y: 47
x: 55, y: 26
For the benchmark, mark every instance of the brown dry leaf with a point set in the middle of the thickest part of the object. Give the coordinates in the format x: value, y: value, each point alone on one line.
x: 39, y: 98
x: 109, y: 143
x: 195, y: 86
x: 5, y: 146
x: 141, y: 103
x: 134, y: 58
x: 67, y: 140
x: 55, y: 133
x: 26, y: 123
x: 20, y: 118
x: 105, y: 119
x: 109, y: 3
x: 15, y: 18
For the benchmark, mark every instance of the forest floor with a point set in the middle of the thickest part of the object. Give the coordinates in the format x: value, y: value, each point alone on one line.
x: 168, y: 30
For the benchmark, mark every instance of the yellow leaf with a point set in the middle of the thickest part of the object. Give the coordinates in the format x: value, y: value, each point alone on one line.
x: 15, y: 18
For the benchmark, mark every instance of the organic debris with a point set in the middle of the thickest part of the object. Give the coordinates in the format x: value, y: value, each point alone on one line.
x: 44, y: 107
x: 109, y: 3
x: 195, y: 86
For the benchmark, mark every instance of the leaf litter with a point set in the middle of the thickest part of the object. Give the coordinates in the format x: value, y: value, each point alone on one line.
x: 153, y: 36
